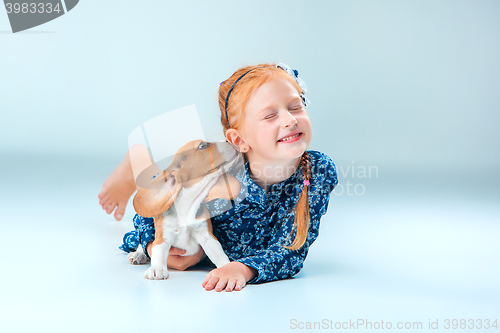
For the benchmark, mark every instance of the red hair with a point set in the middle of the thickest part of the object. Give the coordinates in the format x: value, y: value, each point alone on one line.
x: 236, y: 104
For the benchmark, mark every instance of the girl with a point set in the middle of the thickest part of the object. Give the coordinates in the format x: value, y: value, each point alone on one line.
x: 267, y: 234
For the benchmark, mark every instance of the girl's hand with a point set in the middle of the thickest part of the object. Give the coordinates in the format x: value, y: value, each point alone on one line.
x: 177, y: 261
x: 232, y: 276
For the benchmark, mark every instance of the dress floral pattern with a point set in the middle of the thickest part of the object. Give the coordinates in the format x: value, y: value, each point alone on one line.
x: 258, y: 224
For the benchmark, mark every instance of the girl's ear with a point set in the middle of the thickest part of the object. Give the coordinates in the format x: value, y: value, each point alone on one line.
x: 233, y: 136
x: 227, y: 187
x: 159, y: 196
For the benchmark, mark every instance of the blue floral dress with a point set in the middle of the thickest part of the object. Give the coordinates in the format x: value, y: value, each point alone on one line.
x: 257, y: 226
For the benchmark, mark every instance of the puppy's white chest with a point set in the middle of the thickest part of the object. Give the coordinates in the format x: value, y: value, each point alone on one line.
x: 187, y: 204
x: 181, y: 229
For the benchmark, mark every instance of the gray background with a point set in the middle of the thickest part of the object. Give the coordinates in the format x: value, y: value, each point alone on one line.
x: 405, y: 86
x: 398, y: 83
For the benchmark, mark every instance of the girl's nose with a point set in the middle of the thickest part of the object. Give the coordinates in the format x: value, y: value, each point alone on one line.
x: 289, y: 120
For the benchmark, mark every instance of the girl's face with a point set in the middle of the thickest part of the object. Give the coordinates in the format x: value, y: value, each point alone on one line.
x: 274, y: 112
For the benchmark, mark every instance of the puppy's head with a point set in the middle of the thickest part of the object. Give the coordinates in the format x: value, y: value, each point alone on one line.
x: 199, y: 158
x: 192, y: 162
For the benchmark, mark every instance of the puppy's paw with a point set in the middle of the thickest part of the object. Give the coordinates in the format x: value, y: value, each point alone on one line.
x: 156, y: 272
x: 137, y: 258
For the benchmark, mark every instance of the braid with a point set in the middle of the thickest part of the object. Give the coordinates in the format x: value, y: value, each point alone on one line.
x: 301, y: 223
x: 306, y: 169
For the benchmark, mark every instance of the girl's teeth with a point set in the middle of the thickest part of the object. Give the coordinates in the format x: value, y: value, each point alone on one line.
x: 291, y: 137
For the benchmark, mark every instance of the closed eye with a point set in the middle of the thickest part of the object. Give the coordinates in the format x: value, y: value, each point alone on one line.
x: 297, y: 108
x: 270, y: 116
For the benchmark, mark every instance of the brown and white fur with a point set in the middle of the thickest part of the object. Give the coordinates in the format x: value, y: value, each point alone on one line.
x: 174, y: 199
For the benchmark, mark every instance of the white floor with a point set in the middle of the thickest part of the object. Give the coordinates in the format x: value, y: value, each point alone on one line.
x: 411, y: 249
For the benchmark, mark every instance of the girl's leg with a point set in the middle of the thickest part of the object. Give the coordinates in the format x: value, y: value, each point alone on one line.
x: 120, y: 185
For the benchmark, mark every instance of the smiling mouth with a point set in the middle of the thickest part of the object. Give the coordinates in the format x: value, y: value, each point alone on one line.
x: 289, y: 138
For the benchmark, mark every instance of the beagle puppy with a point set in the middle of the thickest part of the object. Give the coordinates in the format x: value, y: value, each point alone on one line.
x: 197, y: 174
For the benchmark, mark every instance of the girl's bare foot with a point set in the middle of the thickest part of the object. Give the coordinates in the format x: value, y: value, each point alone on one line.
x: 117, y: 189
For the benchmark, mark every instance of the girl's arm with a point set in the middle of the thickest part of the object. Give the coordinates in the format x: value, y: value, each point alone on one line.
x: 276, y: 262
x: 273, y: 263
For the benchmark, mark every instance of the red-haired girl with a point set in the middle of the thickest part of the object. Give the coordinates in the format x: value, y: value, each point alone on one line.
x: 267, y: 234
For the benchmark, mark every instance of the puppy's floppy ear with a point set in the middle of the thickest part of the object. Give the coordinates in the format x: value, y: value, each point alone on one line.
x: 227, y: 187
x: 159, y: 196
